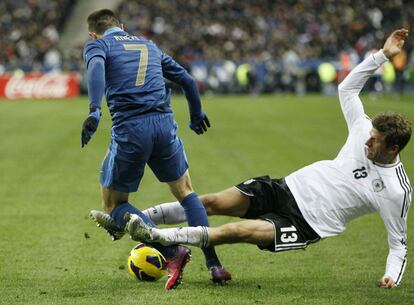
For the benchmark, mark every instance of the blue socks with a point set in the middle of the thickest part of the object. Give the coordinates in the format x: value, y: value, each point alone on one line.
x: 194, y: 211
x: 118, y: 214
x: 197, y: 216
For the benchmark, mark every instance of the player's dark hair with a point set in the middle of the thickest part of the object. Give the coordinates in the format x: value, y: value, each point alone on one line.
x: 395, y: 127
x: 101, y: 20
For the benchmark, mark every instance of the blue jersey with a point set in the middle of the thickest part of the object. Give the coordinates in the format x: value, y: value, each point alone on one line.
x: 134, y: 74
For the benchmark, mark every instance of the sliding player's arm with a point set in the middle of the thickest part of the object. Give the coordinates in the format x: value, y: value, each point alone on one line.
x: 94, y: 57
x: 352, y: 85
x: 177, y: 74
x: 396, y: 225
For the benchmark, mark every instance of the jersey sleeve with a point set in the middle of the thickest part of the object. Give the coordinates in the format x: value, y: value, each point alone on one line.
x: 396, y: 225
x: 177, y: 74
x: 352, y: 85
x: 172, y: 70
x: 91, y: 49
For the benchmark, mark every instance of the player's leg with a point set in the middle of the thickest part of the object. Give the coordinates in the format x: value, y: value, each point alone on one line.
x: 258, y: 232
x: 131, y: 146
x: 121, y: 173
x: 229, y: 202
x: 197, y: 216
x: 169, y: 163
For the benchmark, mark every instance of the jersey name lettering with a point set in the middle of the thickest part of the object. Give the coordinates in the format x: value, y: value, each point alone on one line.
x: 126, y: 38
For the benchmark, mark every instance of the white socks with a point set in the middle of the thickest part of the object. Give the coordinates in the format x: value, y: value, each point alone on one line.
x: 195, y: 236
x: 169, y: 213
x: 173, y: 213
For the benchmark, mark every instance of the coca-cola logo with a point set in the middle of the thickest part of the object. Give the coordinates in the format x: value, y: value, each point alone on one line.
x: 50, y: 85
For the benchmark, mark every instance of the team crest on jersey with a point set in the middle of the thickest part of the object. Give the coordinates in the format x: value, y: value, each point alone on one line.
x: 248, y: 181
x: 378, y: 185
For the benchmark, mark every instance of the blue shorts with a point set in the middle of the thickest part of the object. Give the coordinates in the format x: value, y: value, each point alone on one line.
x: 152, y: 140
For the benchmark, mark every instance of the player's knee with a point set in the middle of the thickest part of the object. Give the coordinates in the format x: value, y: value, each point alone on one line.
x: 210, y: 202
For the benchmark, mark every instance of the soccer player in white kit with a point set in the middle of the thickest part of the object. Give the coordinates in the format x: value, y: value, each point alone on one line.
x: 318, y: 200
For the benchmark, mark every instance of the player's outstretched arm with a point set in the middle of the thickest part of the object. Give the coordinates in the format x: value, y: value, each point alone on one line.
x: 352, y: 85
x: 395, y: 42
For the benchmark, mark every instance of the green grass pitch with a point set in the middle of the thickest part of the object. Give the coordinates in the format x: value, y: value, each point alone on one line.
x: 51, y: 253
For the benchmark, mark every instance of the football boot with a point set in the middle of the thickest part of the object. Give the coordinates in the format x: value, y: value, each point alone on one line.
x: 105, y: 221
x: 219, y: 275
x: 175, y: 267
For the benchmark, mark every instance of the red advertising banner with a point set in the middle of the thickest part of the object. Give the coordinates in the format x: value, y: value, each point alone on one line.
x: 39, y: 85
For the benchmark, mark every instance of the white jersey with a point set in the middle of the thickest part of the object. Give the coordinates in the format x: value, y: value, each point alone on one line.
x: 331, y: 193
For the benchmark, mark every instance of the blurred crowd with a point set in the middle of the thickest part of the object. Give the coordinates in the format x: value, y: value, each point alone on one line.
x: 30, y: 34
x: 237, y: 30
x: 265, y: 45
x: 262, y: 45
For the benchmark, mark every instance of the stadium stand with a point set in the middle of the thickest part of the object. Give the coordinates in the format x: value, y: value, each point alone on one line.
x: 281, y: 42
x: 30, y: 34
x: 228, y: 45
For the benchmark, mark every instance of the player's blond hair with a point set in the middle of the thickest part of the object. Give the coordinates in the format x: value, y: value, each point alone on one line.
x: 395, y: 127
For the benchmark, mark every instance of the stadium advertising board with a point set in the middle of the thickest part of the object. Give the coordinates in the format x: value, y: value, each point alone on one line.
x: 39, y: 85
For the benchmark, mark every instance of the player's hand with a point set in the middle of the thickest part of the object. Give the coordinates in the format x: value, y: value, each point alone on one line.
x: 90, y: 125
x: 199, y: 124
x: 395, y: 42
x: 386, y: 282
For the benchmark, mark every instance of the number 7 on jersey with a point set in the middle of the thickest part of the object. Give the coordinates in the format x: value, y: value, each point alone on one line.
x: 143, y: 61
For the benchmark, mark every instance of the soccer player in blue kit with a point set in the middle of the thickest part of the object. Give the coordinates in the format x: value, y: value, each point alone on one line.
x: 131, y: 70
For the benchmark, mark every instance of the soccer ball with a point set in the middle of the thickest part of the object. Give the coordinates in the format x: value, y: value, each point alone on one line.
x: 146, y: 263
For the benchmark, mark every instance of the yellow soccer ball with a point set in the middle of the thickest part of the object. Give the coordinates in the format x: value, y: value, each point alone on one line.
x: 146, y: 263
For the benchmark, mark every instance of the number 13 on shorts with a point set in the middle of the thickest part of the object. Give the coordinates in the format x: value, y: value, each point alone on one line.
x: 291, y: 237
x: 288, y: 234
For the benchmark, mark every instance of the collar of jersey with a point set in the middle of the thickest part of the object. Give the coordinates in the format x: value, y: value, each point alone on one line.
x: 388, y: 165
x: 112, y: 30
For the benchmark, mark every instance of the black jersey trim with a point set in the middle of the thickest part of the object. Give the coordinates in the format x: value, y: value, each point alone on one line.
x: 402, y: 178
x: 404, y: 189
x: 410, y: 189
x: 397, y: 282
